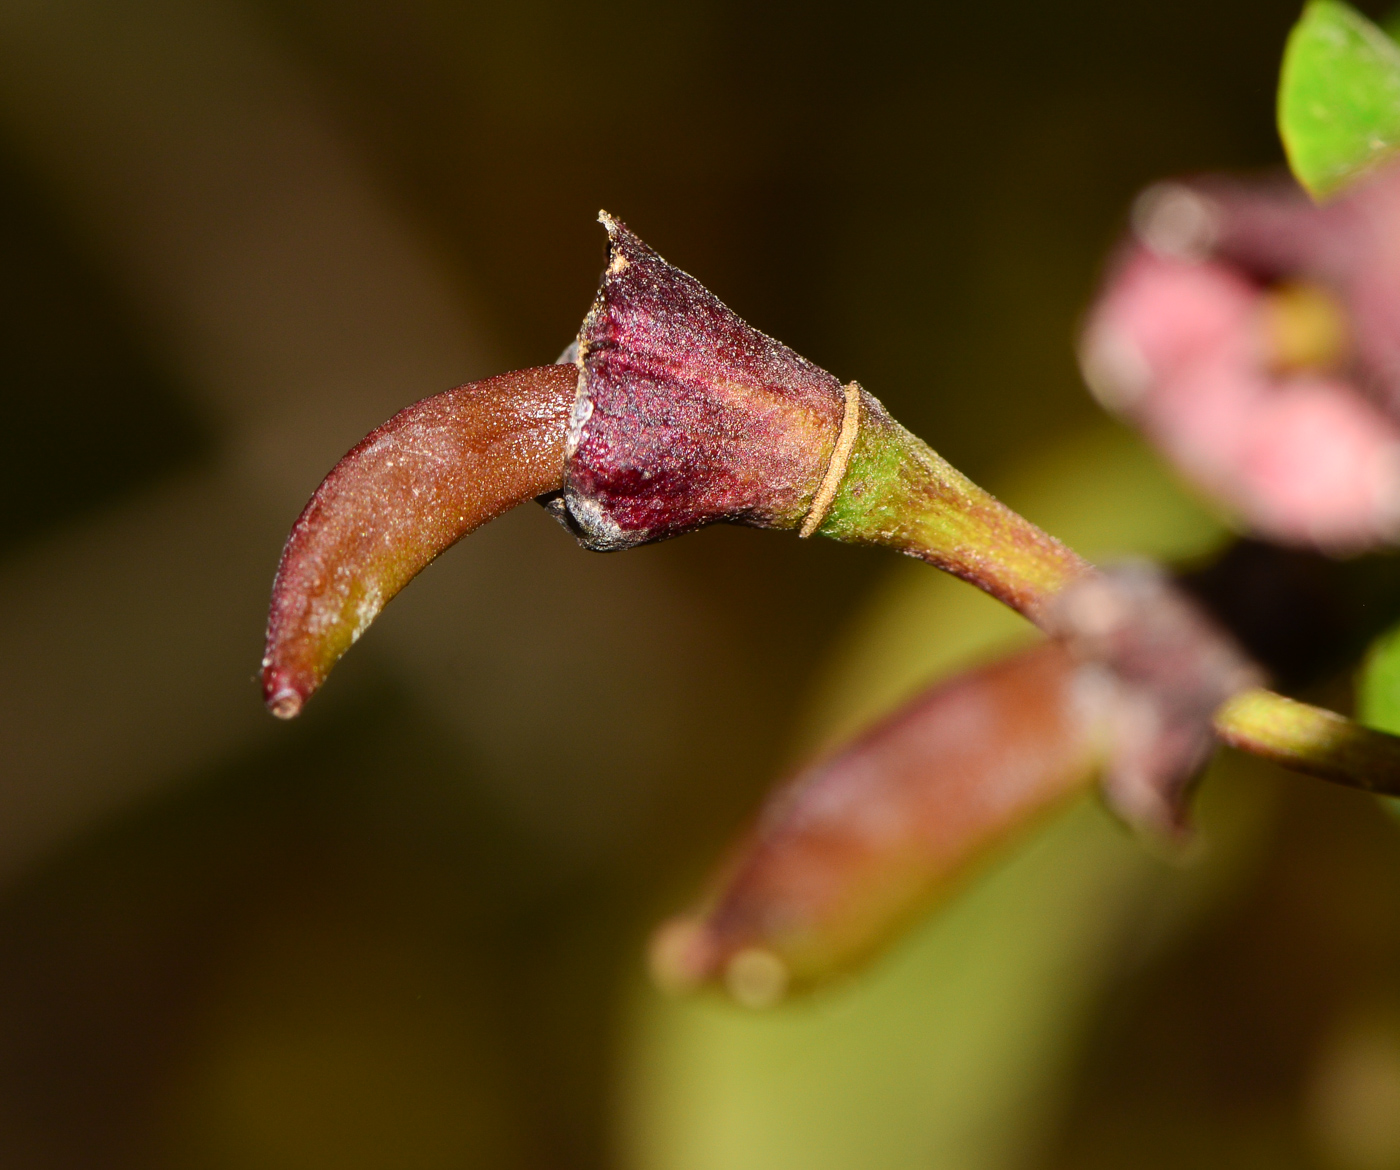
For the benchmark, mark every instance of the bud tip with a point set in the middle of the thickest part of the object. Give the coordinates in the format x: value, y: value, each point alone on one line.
x: 682, y: 956
x: 283, y: 701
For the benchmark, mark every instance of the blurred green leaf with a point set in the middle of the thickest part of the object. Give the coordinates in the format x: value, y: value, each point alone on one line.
x: 1339, y: 97
x: 1378, y: 694
x: 1378, y: 691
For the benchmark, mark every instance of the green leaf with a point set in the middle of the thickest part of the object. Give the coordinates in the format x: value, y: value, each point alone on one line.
x: 1339, y: 97
x: 1378, y: 693
x: 1378, y: 689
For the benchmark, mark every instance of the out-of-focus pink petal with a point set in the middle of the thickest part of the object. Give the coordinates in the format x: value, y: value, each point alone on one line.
x: 1270, y: 231
x: 1157, y: 318
x: 1182, y: 348
x: 1322, y: 466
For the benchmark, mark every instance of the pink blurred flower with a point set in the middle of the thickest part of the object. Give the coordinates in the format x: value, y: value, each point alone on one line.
x: 1255, y: 339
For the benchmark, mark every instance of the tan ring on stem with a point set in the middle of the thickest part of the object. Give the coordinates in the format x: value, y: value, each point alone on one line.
x: 836, y: 469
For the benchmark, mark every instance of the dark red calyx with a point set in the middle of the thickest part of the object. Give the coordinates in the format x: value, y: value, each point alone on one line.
x: 687, y: 415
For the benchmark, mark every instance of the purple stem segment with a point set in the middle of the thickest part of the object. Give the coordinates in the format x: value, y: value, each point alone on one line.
x: 410, y: 489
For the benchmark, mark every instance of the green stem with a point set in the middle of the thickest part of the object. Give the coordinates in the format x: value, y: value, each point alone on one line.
x: 1310, y: 740
x: 899, y: 493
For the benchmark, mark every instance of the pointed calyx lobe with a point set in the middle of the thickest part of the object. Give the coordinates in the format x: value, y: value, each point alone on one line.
x: 686, y: 415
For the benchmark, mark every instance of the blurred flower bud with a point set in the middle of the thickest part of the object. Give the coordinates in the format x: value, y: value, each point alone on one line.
x: 854, y: 846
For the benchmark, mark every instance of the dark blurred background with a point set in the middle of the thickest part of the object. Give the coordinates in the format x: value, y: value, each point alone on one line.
x: 406, y: 930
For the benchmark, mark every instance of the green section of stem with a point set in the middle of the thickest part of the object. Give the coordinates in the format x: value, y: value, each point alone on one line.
x: 898, y: 493
x: 1310, y: 740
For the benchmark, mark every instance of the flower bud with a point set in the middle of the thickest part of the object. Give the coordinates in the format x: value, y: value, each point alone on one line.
x: 674, y: 414
x: 854, y: 846
x: 407, y: 491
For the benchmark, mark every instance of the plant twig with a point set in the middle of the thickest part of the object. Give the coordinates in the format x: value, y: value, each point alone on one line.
x: 1308, y: 739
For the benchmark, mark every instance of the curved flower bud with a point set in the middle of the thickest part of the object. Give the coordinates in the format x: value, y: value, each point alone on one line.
x: 679, y: 414
x: 1141, y: 686
x: 407, y: 491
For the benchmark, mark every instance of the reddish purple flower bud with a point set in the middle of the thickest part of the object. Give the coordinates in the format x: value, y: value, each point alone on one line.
x: 1255, y: 338
x: 850, y: 850
x: 853, y: 847
x: 407, y: 491
x: 687, y: 415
